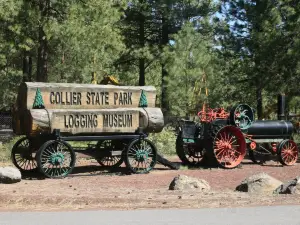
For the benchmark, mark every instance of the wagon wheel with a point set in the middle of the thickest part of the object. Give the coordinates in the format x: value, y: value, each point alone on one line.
x: 112, y: 161
x: 56, y: 159
x: 141, y: 156
x: 229, y: 147
x: 187, y: 152
x: 287, y: 152
x: 23, y: 156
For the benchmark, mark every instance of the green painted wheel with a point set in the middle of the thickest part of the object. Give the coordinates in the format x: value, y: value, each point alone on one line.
x: 141, y: 156
x: 56, y: 159
x: 23, y: 156
x: 111, y: 161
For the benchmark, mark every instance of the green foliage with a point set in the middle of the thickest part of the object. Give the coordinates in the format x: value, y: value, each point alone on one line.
x: 164, y: 141
x: 187, y: 61
x: 250, y: 53
x: 6, y: 148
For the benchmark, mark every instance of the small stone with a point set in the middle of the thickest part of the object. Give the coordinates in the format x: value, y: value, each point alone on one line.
x: 70, y: 185
x: 290, y: 187
x: 179, y: 197
x: 164, y: 203
x: 9, y: 175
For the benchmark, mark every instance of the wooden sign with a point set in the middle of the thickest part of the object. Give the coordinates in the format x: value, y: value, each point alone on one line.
x: 36, y: 95
x: 124, y: 120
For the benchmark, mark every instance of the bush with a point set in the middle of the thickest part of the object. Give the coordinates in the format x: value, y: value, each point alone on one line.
x: 164, y: 141
x: 5, y: 149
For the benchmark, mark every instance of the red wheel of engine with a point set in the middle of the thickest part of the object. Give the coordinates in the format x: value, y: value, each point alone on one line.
x: 229, y: 147
x: 288, y: 152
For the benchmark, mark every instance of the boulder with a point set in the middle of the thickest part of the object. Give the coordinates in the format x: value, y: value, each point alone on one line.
x: 183, y: 182
x: 9, y: 175
x: 259, y: 183
x: 290, y: 187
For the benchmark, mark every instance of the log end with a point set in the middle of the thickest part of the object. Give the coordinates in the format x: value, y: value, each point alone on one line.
x: 152, y: 120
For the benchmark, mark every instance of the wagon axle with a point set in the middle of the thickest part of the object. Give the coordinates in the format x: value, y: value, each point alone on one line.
x: 57, y: 159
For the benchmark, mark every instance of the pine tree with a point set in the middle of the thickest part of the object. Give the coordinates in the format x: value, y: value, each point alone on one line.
x: 38, y: 101
x: 143, y: 100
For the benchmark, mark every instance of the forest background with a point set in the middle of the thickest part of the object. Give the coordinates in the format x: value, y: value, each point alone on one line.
x: 243, y: 51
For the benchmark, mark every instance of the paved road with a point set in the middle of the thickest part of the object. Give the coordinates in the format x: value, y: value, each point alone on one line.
x: 275, y: 215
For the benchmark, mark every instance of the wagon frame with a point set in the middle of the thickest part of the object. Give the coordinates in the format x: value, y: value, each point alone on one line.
x: 54, y: 157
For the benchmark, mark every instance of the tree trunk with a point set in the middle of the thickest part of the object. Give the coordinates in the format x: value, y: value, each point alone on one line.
x: 259, y: 105
x: 30, y: 69
x: 42, y: 69
x: 25, y: 67
x: 164, y: 73
x: 142, y: 45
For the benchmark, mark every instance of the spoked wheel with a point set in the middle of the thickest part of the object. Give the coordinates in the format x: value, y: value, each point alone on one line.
x: 112, y: 161
x: 22, y: 155
x: 141, y: 156
x: 287, y: 152
x: 229, y: 147
x: 56, y: 159
x: 188, y: 152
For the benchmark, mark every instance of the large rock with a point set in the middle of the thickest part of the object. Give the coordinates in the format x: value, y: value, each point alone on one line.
x: 9, y: 175
x: 183, y: 182
x: 259, y: 183
x: 290, y: 187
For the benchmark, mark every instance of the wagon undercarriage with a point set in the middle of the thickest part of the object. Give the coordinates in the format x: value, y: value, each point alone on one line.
x: 54, y: 157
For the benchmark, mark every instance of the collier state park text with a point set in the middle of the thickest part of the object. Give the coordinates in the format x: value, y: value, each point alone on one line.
x: 94, y: 98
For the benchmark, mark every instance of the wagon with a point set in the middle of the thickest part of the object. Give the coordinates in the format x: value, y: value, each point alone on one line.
x: 120, y: 128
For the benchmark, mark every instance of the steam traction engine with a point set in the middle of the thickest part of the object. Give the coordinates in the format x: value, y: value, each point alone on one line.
x: 223, y: 138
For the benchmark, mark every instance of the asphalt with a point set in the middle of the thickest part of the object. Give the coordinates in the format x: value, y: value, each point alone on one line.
x: 273, y: 215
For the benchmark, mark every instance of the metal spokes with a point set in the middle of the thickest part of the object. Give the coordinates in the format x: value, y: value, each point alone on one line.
x: 229, y: 147
x: 23, y: 156
x: 192, y: 154
x: 141, y: 156
x: 111, y: 161
x: 56, y: 159
x: 288, y: 152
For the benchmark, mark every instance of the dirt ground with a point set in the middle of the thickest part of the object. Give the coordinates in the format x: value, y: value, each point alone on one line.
x: 91, y: 186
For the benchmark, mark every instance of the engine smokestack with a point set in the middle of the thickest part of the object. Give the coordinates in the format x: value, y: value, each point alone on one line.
x: 281, y: 107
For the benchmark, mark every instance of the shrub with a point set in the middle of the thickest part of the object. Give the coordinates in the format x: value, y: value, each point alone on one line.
x: 5, y: 149
x: 164, y: 141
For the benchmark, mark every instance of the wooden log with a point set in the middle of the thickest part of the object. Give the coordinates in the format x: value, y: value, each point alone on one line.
x: 83, y: 96
x: 86, y: 121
